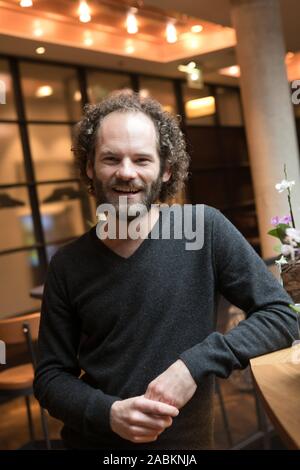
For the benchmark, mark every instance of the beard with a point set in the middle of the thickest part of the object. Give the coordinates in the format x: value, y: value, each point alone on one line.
x: 149, y: 194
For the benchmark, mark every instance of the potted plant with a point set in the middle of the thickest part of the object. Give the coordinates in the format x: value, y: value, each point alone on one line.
x: 284, y: 229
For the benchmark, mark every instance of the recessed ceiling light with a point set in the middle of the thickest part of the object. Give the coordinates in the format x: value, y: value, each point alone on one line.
x: 131, y: 21
x: 88, y: 39
x: 129, y: 49
x: 232, y: 71
x: 197, y: 28
x: 289, y: 55
x: 26, y: 3
x: 171, y: 32
x: 38, y: 30
x: 84, y: 12
x: 40, y: 50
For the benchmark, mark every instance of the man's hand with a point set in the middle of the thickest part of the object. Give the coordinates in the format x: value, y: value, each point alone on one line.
x: 139, y: 419
x: 174, y: 386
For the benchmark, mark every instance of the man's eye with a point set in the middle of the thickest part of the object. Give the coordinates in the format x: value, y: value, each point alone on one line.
x: 111, y: 159
x: 142, y: 160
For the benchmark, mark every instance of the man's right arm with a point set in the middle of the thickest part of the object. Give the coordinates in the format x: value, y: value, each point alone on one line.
x: 57, y: 385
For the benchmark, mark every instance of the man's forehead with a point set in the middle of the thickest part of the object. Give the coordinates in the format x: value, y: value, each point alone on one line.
x: 126, y: 121
x: 135, y: 127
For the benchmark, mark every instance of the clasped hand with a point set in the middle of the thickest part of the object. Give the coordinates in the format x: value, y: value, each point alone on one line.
x: 144, y: 418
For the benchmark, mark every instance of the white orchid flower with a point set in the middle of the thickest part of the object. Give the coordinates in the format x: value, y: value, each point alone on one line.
x: 281, y: 261
x: 293, y: 234
x: 287, y: 250
x: 285, y: 184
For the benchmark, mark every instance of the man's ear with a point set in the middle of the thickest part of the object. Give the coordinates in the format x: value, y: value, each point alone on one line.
x: 167, y: 173
x: 89, y: 169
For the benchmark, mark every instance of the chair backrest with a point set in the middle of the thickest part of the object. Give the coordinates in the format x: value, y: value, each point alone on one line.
x: 11, y: 329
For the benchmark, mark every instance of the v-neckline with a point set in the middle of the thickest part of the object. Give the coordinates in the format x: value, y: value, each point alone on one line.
x: 115, y: 256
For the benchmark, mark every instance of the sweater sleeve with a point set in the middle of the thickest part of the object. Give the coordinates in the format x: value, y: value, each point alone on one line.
x: 242, y: 277
x: 57, y: 385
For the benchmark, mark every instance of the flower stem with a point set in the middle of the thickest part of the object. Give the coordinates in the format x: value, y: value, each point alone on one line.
x: 289, y: 199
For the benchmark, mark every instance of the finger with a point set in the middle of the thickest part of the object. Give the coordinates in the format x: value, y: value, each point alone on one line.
x: 150, y: 421
x: 156, y: 407
x: 144, y: 438
x: 139, y: 431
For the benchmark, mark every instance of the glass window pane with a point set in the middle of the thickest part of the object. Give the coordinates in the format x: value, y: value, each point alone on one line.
x: 19, y: 274
x: 15, y: 219
x: 7, y: 106
x: 11, y: 155
x: 51, y: 151
x: 100, y: 84
x: 64, y: 210
x: 50, y: 93
x: 229, y: 107
x: 161, y: 90
x: 199, y: 106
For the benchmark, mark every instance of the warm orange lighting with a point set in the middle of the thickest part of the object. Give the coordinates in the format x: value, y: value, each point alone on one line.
x: 129, y: 49
x: 84, y: 12
x: 200, y: 107
x: 171, y: 33
x: 131, y: 21
x: 44, y: 91
x: 88, y: 39
x: 144, y: 93
x: 26, y: 3
x: 40, y: 50
x: 38, y: 30
x: 77, y: 96
x: 289, y: 56
x: 232, y: 71
x: 197, y: 28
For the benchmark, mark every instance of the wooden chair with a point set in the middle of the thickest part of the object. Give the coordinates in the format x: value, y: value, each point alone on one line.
x: 18, y: 381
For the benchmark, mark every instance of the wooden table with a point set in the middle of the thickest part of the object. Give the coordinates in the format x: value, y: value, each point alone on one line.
x: 277, y: 380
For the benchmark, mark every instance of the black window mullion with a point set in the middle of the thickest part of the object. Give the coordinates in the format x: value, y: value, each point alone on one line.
x: 29, y: 170
x: 84, y: 201
x: 135, y: 82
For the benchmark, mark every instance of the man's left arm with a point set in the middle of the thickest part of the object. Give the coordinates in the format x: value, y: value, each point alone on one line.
x: 242, y: 278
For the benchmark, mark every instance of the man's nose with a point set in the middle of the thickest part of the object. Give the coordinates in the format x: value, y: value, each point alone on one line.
x: 126, y: 170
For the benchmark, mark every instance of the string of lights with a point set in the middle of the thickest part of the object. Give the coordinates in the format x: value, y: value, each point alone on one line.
x: 131, y: 23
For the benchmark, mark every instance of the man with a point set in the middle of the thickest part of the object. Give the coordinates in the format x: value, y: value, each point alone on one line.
x: 135, y: 316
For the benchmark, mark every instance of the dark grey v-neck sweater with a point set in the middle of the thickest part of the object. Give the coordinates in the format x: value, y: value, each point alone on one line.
x: 124, y: 321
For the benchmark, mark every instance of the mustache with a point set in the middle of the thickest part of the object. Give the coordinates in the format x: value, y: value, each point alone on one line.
x: 127, y: 186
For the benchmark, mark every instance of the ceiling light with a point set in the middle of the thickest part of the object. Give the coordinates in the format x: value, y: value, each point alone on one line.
x: 84, y: 12
x: 77, y: 96
x: 129, y: 49
x: 197, y: 28
x: 44, y: 91
x: 171, y: 33
x: 26, y: 3
x: 131, y: 21
x: 144, y: 93
x: 40, y: 50
x: 129, y: 46
x: 232, y: 71
x: 187, y: 68
x: 88, y: 39
x: 200, y: 107
x: 289, y: 55
x: 193, y: 73
x: 38, y: 30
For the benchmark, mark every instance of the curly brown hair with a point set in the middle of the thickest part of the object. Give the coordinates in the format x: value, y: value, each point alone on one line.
x: 171, y: 142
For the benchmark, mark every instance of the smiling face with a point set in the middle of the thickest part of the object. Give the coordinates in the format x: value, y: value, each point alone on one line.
x: 127, y: 162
